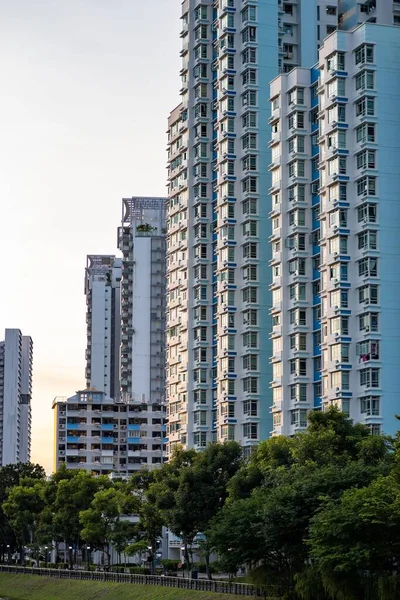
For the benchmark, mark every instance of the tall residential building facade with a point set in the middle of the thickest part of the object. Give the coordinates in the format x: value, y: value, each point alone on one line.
x: 16, y: 355
x: 142, y: 241
x: 96, y: 433
x: 218, y: 249
x: 103, y: 321
x: 335, y: 218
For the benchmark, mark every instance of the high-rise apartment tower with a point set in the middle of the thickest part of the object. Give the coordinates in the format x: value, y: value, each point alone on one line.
x: 103, y: 319
x: 335, y: 221
x: 16, y: 355
x: 142, y: 241
x: 218, y: 298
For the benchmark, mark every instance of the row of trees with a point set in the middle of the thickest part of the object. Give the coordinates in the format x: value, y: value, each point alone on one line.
x: 314, y: 517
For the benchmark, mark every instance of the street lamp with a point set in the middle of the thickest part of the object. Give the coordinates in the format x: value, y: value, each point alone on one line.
x: 70, y: 557
x: 88, y: 557
x: 8, y: 554
x: 183, y: 560
x: 45, y: 555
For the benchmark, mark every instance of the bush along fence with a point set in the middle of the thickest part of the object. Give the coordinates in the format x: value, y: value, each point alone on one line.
x: 225, y: 587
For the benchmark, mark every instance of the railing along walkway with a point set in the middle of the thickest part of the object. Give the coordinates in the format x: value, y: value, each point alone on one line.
x: 224, y: 587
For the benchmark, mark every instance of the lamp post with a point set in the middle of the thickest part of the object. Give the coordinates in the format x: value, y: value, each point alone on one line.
x: 8, y: 554
x: 70, y: 557
x: 183, y: 560
x: 45, y: 555
x: 88, y: 557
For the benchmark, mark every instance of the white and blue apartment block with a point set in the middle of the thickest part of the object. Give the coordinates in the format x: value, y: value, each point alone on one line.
x: 335, y: 243
x: 97, y: 433
x: 218, y: 245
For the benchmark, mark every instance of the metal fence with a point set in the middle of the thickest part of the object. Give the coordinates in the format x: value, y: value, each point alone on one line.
x: 225, y: 587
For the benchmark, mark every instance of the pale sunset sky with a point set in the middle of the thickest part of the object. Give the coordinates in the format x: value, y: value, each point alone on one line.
x: 86, y: 88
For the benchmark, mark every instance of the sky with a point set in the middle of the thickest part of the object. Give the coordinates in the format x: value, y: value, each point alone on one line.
x: 86, y: 87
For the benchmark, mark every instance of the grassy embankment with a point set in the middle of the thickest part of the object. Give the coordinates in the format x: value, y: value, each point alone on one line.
x: 24, y: 587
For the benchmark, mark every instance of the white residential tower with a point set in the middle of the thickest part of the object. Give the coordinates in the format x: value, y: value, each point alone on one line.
x: 103, y: 318
x: 16, y: 355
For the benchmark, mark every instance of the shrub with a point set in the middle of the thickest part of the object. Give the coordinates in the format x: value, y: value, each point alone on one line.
x: 169, y: 564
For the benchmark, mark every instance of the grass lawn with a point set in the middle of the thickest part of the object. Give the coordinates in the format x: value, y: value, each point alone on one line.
x: 33, y: 587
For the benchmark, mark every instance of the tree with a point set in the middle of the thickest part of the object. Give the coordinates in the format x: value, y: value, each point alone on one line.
x: 51, y: 530
x: 296, y: 477
x: 137, y: 549
x: 10, y: 476
x: 191, y: 489
x: 355, y: 542
x: 205, y: 549
x: 236, y: 533
x: 267, y: 460
x: 74, y: 495
x: 101, y: 522
x: 330, y: 437
x: 149, y: 528
x: 23, y: 509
